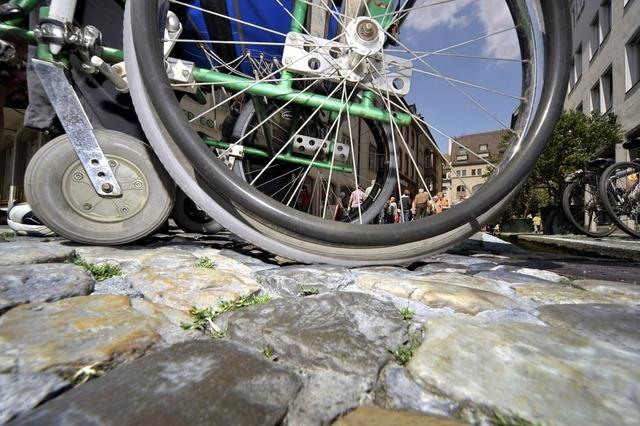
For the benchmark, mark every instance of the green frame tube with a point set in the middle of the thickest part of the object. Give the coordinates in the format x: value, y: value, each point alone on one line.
x: 257, y: 152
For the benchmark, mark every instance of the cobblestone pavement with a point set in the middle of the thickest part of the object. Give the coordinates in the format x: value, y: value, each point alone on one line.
x: 193, y: 330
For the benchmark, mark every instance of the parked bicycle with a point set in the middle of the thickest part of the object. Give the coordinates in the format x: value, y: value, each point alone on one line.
x: 621, y: 192
x: 582, y: 203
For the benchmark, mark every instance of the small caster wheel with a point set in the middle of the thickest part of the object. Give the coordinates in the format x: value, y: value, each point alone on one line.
x: 191, y: 218
x: 62, y: 196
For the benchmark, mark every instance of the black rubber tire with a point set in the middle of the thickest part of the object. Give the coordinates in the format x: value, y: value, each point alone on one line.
x: 606, y: 200
x: 191, y: 219
x: 566, y: 206
x: 43, y: 187
x: 283, y: 230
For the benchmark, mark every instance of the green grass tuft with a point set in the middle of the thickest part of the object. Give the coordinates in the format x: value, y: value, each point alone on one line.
x: 8, y: 236
x: 404, y: 352
x: 206, y: 262
x: 269, y: 352
x: 407, y: 313
x: 99, y: 272
x: 502, y: 419
x: 308, y: 290
x: 203, y: 319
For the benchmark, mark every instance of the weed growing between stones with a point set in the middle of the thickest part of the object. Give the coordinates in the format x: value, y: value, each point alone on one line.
x: 404, y: 352
x: 502, y: 419
x: 7, y: 236
x: 407, y: 313
x: 206, y: 262
x: 203, y: 319
x: 269, y: 352
x: 308, y: 290
x: 99, y: 272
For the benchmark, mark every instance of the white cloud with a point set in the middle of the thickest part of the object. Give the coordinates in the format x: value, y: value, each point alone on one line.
x: 492, y: 15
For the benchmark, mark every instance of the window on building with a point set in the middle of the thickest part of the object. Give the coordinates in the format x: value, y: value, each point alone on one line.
x: 484, y: 147
x: 479, y: 172
x: 428, y: 160
x: 606, y: 91
x: 462, y: 155
x: 577, y: 64
x: 594, y: 40
x: 595, y: 98
x: 461, y: 191
x: 473, y: 172
x: 463, y: 172
x: 484, y: 155
x: 605, y: 19
x: 632, y: 62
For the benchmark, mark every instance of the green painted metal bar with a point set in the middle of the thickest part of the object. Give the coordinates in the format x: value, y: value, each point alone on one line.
x: 256, y: 152
x: 43, y: 52
x: 26, y: 5
x: 311, y: 100
x: 297, y: 26
x: 368, y: 99
x: 379, y: 10
x: 17, y: 34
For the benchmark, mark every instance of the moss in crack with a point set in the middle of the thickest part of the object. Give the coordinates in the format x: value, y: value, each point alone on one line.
x: 206, y: 262
x: 404, y: 352
x: 203, y: 318
x: 100, y: 272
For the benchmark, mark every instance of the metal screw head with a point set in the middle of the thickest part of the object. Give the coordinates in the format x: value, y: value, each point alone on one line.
x: 87, y: 206
x: 124, y: 209
x: 138, y: 184
x: 112, y: 163
x: 78, y: 176
x: 107, y: 187
x: 287, y: 61
x: 185, y: 73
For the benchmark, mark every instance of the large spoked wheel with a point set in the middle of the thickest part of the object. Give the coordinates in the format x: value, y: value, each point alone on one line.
x: 358, y: 71
x: 62, y: 196
x: 583, y: 207
x: 620, y: 189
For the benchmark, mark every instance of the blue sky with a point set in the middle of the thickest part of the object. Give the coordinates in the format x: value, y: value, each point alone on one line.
x: 443, y: 25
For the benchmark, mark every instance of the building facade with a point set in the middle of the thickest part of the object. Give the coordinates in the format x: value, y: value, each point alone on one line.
x: 470, y: 159
x: 605, y: 70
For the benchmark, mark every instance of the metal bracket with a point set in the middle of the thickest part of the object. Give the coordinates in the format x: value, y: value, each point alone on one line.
x: 308, y: 146
x: 330, y: 60
x: 67, y: 105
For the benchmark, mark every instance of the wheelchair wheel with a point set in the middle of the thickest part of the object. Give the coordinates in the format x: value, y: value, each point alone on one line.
x: 582, y: 206
x: 620, y: 189
x: 191, y: 218
x: 371, y: 85
x: 61, y: 195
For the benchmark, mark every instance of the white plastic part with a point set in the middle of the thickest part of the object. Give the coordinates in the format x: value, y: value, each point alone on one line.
x: 63, y: 11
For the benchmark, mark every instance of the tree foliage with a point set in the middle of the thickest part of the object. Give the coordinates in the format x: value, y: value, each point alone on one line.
x: 576, y: 139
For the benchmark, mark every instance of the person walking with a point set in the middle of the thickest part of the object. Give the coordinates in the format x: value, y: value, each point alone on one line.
x: 421, y: 202
x: 537, y: 224
x: 356, y: 199
x: 405, y: 203
x: 392, y: 211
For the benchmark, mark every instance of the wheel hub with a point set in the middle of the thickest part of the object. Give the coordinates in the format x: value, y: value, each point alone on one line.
x: 80, y: 195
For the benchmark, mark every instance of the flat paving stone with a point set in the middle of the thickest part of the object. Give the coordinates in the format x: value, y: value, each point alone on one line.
x: 616, y: 324
x: 291, y: 281
x: 186, y: 287
x: 20, y: 393
x: 197, y: 383
x: 620, y: 291
x: 46, y: 282
x: 365, y: 416
x: 348, y: 332
x: 435, y: 293
x: 556, y: 294
x: 543, y: 374
x: 69, y: 334
x: 24, y: 251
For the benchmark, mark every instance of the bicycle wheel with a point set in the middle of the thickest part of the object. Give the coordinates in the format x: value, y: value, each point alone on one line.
x: 582, y: 206
x: 325, y: 104
x: 621, y: 196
